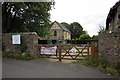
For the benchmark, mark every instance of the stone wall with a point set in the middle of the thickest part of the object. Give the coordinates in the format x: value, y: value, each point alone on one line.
x: 30, y: 39
x: 109, y: 45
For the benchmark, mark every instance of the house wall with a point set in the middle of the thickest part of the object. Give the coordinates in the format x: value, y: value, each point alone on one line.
x: 29, y: 39
x: 55, y: 27
x: 115, y: 23
x: 109, y: 45
x: 67, y: 35
x: 118, y: 13
x: 61, y: 34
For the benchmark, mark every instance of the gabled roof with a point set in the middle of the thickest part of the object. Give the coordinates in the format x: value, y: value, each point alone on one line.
x: 61, y: 26
x: 112, y: 13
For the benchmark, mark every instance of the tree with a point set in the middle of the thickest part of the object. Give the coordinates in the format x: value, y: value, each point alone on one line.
x: 85, y: 37
x: 101, y: 28
x: 12, y: 16
x: 65, y: 24
x: 26, y: 16
x: 95, y: 37
x: 76, y: 29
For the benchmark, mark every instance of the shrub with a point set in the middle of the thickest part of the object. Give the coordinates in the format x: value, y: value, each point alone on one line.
x: 85, y: 37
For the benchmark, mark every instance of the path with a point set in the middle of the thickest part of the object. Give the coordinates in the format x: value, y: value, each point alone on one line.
x: 45, y: 69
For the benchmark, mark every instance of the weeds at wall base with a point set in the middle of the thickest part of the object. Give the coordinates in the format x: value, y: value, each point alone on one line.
x: 17, y: 56
x: 112, y: 68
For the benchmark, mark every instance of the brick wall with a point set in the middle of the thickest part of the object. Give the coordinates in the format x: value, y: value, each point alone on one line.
x: 30, y: 39
x: 109, y: 45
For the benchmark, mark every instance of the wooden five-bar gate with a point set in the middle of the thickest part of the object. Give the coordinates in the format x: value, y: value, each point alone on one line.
x: 71, y: 52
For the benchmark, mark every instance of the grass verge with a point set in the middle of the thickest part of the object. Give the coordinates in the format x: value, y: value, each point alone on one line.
x: 109, y: 68
x: 17, y: 56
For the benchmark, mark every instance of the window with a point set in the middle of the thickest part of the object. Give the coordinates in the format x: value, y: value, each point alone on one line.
x: 55, y: 33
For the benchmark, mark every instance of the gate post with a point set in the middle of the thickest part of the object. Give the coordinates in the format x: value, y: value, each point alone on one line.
x: 60, y: 53
x: 94, y: 51
x: 88, y: 44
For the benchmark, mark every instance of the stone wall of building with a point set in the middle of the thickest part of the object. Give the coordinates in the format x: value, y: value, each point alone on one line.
x: 59, y: 35
x: 109, y: 45
x: 29, y: 39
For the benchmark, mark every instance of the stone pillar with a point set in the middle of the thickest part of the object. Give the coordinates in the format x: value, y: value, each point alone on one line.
x: 30, y: 39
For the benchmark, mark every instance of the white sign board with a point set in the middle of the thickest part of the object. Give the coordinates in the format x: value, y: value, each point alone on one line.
x: 73, y: 50
x: 16, y: 39
x: 49, y: 50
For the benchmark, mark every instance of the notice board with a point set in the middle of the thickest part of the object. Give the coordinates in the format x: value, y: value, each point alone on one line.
x: 16, y: 39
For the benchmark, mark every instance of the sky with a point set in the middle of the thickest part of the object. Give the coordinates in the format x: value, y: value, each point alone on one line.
x: 89, y: 13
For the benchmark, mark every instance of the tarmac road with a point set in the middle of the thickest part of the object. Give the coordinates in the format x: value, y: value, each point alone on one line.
x: 46, y: 69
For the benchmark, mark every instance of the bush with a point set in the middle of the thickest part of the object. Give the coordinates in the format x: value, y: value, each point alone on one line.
x: 85, y: 37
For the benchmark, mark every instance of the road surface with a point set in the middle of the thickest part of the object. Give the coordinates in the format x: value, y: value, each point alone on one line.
x: 46, y: 69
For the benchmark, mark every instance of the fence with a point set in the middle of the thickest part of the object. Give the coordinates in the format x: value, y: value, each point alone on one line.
x: 73, y: 52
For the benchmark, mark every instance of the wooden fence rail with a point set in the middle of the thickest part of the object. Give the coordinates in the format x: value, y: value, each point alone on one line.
x: 64, y: 51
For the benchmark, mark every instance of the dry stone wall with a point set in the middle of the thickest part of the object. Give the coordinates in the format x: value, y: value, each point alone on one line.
x: 30, y: 39
x: 109, y: 45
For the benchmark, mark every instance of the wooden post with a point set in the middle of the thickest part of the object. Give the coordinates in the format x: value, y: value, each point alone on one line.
x: 94, y: 51
x: 59, y: 50
x: 60, y: 53
x: 88, y: 49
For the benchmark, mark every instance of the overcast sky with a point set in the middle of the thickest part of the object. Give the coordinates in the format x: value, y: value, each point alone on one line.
x: 89, y: 13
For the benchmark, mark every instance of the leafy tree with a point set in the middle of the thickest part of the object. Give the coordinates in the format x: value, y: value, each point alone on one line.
x: 26, y: 16
x: 85, y: 37
x: 95, y: 37
x: 65, y: 24
x: 84, y: 32
x: 12, y: 19
x: 75, y: 28
x: 77, y: 39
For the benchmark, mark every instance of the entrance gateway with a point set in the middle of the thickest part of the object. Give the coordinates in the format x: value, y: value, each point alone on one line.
x: 66, y: 51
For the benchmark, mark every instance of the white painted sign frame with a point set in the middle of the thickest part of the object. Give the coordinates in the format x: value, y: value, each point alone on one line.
x: 16, y: 39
